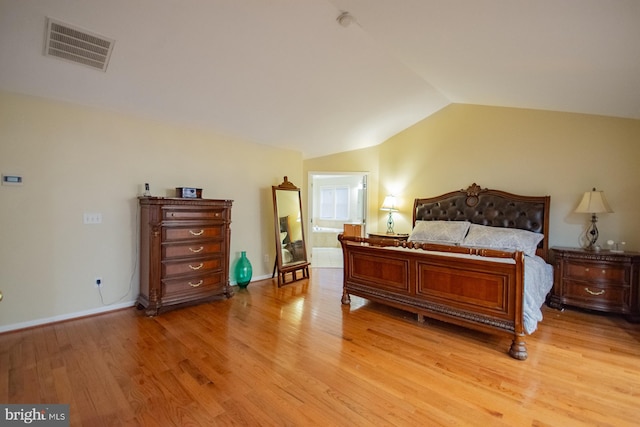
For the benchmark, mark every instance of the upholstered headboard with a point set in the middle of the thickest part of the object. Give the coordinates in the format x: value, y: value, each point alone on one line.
x: 489, y: 207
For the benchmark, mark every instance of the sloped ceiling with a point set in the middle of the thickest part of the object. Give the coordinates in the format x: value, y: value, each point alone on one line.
x: 285, y: 73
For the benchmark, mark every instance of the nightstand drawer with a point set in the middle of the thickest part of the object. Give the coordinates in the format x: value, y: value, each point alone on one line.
x: 596, y: 272
x: 597, y: 280
x: 592, y: 296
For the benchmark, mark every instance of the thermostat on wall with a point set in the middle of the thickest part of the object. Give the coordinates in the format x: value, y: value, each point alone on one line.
x: 11, y: 179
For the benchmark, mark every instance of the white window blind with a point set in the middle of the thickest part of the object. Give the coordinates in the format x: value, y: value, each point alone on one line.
x: 334, y: 203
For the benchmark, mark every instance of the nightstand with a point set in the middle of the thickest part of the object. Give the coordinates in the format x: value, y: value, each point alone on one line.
x: 393, y: 236
x: 597, y: 280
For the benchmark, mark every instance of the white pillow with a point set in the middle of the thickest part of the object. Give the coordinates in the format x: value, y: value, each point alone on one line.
x: 449, y: 232
x: 512, y: 239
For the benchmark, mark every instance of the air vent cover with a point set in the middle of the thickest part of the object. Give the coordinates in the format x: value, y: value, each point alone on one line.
x: 77, y: 45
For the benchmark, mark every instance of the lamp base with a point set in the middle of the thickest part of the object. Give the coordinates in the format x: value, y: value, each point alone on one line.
x: 390, y: 223
x: 591, y: 234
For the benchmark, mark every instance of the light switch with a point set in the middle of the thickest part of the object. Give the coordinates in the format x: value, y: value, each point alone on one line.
x: 92, y: 218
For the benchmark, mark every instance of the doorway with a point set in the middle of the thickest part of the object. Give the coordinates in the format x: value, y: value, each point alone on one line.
x: 336, y: 198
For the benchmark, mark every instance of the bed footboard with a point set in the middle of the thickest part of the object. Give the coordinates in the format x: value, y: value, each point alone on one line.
x: 482, y: 289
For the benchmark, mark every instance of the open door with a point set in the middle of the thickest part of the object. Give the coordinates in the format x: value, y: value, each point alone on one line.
x: 335, y: 199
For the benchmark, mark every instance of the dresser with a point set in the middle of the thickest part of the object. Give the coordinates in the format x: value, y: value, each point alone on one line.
x: 184, y: 252
x: 392, y: 236
x: 603, y: 280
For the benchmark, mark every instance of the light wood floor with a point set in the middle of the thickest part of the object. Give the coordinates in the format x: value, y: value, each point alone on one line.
x: 295, y: 356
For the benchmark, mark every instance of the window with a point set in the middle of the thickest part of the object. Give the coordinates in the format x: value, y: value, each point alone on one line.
x: 334, y: 203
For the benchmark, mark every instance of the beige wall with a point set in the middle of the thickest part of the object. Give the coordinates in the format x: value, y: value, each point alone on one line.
x: 522, y: 151
x: 77, y: 160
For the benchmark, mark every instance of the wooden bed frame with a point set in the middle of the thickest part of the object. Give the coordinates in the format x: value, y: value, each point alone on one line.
x: 472, y: 292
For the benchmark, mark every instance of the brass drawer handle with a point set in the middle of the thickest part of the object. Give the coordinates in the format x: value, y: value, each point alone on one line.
x: 589, y: 291
x: 197, y: 267
x: 195, y: 285
x: 195, y: 251
x: 196, y: 233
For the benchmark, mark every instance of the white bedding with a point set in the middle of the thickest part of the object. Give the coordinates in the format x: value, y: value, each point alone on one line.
x: 538, y: 280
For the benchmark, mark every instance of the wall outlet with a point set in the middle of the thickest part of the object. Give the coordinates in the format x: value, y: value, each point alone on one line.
x: 98, y: 282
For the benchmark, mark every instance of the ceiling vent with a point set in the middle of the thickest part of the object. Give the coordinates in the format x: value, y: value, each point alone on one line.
x: 76, y: 45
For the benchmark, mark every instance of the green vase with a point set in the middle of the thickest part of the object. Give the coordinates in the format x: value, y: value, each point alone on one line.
x: 243, y: 271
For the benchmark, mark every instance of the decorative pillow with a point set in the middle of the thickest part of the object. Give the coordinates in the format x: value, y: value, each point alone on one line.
x: 448, y: 232
x: 512, y: 239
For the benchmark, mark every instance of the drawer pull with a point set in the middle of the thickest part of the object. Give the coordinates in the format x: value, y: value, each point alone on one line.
x: 196, y: 267
x: 589, y: 291
x: 195, y: 251
x: 195, y: 285
x: 196, y: 233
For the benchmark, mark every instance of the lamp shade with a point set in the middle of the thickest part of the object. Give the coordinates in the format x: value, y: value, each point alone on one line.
x: 593, y: 202
x: 389, y: 204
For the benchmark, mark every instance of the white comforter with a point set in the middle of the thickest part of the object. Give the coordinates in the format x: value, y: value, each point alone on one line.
x: 538, y: 280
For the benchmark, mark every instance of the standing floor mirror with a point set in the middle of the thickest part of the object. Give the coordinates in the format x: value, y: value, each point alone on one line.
x: 291, y: 250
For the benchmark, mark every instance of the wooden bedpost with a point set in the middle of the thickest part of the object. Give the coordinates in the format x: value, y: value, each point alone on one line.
x: 345, y: 296
x: 346, y: 299
x: 518, y: 348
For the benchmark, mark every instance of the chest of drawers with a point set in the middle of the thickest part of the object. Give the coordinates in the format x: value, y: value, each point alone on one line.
x: 184, y: 252
x: 603, y: 281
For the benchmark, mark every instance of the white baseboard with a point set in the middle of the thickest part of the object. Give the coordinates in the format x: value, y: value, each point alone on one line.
x: 54, y: 319
x: 253, y: 279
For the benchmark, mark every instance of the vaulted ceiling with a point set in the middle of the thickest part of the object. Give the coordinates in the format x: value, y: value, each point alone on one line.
x: 286, y: 73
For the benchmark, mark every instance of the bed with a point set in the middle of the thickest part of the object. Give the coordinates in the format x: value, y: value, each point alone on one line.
x: 475, y: 257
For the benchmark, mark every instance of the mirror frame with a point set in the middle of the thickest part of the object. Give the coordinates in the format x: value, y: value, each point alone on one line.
x: 294, y: 266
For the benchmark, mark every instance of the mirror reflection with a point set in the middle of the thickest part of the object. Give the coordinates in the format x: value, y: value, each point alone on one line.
x: 291, y: 253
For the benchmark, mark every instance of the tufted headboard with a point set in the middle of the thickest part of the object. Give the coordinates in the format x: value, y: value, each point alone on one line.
x: 489, y: 207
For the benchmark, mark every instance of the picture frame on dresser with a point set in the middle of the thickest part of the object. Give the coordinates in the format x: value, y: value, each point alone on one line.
x: 184, y: 252
x: 603, y: 281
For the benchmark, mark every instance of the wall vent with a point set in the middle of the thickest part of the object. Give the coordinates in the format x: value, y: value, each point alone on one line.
x: 73, y: 44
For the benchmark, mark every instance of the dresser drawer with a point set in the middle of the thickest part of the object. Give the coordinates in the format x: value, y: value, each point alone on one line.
x: 190, y: 233
x: 204, y: 283
x: 192, y: 214
x: 191, y: 249
x: 596, y: 272
x: 170, y: 269
x: 593, y: 296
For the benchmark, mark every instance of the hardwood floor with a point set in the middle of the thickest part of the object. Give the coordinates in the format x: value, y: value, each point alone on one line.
x: 295, y: 356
